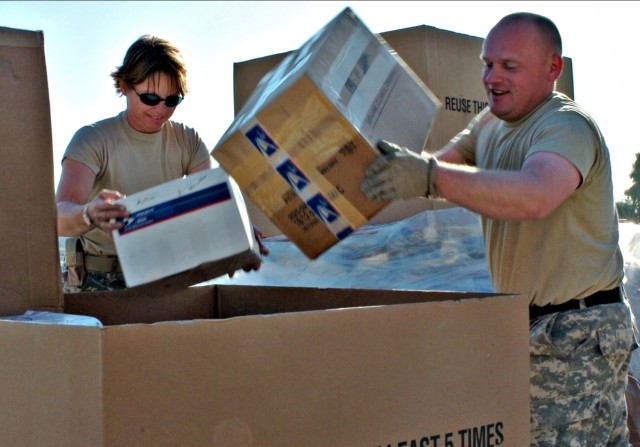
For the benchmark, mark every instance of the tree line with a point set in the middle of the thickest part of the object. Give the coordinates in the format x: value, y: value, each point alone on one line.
x: 629, y: 209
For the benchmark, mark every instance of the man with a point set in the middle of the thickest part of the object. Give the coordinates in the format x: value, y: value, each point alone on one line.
x: 536, y: 168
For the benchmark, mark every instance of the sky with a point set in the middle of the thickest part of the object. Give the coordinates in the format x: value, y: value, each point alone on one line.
x: 86, y: 40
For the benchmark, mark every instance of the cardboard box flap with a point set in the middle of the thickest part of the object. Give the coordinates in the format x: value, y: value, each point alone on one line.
x: 144, y: 304
x: 234, y: 301
x: 31, y: 275
x: 13, y: 37
x: 54, y: 385
x: 251, y: 374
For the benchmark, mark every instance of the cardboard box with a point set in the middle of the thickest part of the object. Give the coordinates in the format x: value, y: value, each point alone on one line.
x: 447, y: 62
x: 274, y: 367
x: 300, y: 145
x: 235, y: 365
x: 30, y: 275
x: 199, y: 221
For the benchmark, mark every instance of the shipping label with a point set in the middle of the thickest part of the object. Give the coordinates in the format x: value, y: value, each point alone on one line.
x: 316, y: 203
x: 179, y: 206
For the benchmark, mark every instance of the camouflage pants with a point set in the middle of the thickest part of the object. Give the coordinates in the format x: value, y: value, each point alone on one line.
x: 579, y: 365
x: 94, y: 281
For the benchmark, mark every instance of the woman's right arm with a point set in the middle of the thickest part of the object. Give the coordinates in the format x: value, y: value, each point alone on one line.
x: 76, y: 215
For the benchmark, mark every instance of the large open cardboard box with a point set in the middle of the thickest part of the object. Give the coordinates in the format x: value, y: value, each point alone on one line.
x: 270, y: 366
x: 234, y: 365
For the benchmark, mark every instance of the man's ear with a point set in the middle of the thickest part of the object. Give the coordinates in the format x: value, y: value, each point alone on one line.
x: 555, y: 67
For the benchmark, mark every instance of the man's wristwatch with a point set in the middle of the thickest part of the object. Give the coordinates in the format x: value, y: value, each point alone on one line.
x: 86, y: 217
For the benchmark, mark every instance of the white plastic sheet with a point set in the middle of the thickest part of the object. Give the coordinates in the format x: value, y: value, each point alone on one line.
x: 433, y: 250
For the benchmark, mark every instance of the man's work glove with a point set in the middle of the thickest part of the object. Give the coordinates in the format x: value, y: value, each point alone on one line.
x: 399, y: 174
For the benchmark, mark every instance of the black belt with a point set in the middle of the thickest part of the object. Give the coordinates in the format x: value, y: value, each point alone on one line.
x: 603, y: 297
x: 105, y: 264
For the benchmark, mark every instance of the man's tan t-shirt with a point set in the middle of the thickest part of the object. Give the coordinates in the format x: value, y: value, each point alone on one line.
x: 573, y: 252
x: 129, y: 161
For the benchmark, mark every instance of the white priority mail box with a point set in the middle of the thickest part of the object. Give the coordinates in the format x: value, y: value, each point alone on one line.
x: 183, y: 224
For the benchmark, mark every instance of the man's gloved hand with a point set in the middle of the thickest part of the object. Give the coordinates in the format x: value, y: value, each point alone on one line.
x: 399, y: 174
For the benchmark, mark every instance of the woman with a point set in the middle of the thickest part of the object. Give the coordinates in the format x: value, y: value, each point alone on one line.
x: 132, y: 151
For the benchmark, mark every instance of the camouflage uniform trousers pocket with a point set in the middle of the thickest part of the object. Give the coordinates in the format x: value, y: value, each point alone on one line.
x: 97, y: 281
x: 93, y: 281
x: 579, y: 364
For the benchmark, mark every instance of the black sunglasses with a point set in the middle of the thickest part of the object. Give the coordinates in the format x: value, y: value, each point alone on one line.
x: 151, y: 99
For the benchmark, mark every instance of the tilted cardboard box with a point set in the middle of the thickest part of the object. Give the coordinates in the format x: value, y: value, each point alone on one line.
x: 235, y: 365
x: 447, y: 62
x: 300, y: 145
